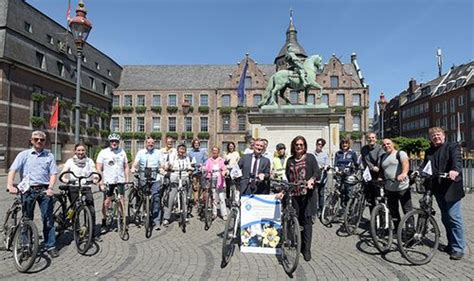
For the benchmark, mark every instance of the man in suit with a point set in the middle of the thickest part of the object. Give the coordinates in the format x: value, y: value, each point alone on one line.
x: 445, y: 157
x: 255, y: 171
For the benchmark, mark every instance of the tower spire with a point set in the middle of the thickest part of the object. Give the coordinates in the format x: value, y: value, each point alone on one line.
x: 290, y: 38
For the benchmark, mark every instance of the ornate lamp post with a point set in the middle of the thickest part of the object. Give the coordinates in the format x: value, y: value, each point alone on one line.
x: 80, y: 28
x: 382, y: 104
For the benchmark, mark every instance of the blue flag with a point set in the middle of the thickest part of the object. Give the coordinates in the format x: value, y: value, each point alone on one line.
x: 241, y: 87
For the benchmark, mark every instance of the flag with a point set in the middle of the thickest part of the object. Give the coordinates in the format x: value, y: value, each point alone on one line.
x: 458, y: 133
x: 241, y: 87
x: 53, y: 121
x: 427, y: 169
x: 366, y: 175
x: 68, y: 12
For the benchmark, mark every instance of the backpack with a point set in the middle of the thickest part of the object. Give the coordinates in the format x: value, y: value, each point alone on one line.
x: 411, y: 178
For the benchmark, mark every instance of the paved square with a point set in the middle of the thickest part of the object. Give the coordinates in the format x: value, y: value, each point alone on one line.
x: 196, y: 255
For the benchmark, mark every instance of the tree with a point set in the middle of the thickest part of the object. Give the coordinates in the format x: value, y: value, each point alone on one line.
x: 411, y: 145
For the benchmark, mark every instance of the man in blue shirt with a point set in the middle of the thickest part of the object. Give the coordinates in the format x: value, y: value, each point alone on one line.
x: 38, y: 173
x: 150, y: 157
x: 198, y: 157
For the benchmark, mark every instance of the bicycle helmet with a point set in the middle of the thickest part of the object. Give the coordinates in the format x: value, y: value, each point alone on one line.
x: 114, y: 136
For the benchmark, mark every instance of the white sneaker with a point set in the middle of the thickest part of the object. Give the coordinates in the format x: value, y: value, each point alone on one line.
x: 166, y: 223
x: 224, y: 217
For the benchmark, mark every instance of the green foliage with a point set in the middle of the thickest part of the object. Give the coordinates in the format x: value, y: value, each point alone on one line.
x: 203, y: 109
x: 187, y: 135
x: 172, y: 109
x: 225, y: 110
x: 203, y: 135
x: 156, y: 135
x: 340, y: 109
x: 174, y: 135
x: 36, y: 121
x: 91, y: 131
x: 63, y: 125
x: 356, y: 110
x: 156, y: 109
x: 65, y: 104
x: 104, y: 133
x: 129, y: 156
x: 342, y: 135
x: 105, y: 115
x: 92, y: 112
x: 38, y: 97
x: 126, y: 135
x: 411, y: 145
x: 116, y: 109
x: 139, y: 135
x: 191, y: 109
x: 356, y: 135
x: 127, y: 109
x: 242, y: 109
x: 140, y: 109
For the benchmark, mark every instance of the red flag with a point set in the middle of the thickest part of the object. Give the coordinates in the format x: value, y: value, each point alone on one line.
x: 53, y: 121
x: 68, y: 12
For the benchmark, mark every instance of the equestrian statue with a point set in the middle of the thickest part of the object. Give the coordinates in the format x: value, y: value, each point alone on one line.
x: 300, y: 76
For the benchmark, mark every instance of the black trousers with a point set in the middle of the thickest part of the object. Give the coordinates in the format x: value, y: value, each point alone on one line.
x: 73, y: 195
x: 300, y: 203
x: 393, y: 197
x: 371, y: 191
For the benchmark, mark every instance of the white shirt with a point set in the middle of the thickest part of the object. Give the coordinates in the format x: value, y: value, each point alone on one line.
x: 78, y: 171
x: 113, y: 162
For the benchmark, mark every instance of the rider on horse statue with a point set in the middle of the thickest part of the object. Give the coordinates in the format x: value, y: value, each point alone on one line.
x: 295, y: 64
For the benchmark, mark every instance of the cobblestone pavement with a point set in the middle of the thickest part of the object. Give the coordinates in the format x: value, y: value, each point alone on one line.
x: 196, y: 255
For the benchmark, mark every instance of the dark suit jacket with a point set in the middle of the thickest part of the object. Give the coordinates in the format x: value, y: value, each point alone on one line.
x: 443, y: 159
x: 245, y: 165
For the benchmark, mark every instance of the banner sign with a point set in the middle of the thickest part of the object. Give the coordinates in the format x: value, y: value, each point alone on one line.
x: 260, y: 224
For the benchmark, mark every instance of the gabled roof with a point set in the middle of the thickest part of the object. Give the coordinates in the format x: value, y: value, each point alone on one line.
x: 177, y: 77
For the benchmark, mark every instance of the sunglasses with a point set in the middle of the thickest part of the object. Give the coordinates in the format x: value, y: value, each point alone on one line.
x: 38, y: 139
x: 114, y: 141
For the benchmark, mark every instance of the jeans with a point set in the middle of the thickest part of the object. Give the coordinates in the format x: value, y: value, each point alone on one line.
x: 171, y: 200
x: 46, y: 204
x: 219, y: 198
x: 155, y: 202
x: 452, y: 221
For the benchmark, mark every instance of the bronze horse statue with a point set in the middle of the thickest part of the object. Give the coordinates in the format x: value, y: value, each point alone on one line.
x: 283, y: 79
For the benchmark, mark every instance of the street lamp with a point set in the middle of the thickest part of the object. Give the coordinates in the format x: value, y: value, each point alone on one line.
x: 382, y: 104
x: 80, y: 28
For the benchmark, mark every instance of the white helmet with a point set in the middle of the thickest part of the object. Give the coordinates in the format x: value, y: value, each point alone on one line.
x: 114, y: 136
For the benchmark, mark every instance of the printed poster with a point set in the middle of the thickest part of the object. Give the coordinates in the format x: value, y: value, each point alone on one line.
x: 260, y: 218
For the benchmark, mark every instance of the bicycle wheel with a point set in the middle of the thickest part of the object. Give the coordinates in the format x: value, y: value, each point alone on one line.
x: 134, y: 205
x: 83, y: 229
x: 183, y: 212
x: 228, y: 241
x: 122, y: 221
x: 208, y: 211
x: 9, y: 227
x: 59, y: 214
x: 381, y: 228
x: 330, y: 209
x: 352, y: 215
x: 418, y: 237
x: 291, y: 246
x: 147, y: 216
x: 25, y: 245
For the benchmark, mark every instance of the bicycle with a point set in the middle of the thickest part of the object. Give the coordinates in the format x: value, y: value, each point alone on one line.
x: 140, y: 197
x: 333, y: 201
x: 356, y: 204
x: 77, y: 214
x: 381, y: 225
x: 232, y: 227
x: 21, y: 233
x: 291, y: 231
x: 208, y: 204
x: 117, y: 212
x: 419, y: 228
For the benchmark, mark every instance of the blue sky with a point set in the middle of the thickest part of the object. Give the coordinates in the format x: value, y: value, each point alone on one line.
x: 395, y: 40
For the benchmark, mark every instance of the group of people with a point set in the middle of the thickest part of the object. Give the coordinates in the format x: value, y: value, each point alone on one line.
x: 170, y: 166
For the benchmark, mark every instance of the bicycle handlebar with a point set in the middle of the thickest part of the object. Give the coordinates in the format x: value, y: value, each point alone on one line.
x: 96, y: 178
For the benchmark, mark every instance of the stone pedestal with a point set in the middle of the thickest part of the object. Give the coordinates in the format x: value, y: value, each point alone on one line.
x: 280, y: 124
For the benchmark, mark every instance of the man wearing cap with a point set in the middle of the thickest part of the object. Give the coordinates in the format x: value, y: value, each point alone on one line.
x: 279, y: 162
x: 112, y: 163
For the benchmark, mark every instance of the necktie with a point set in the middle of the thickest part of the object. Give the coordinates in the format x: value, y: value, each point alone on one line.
x: 255, y: 167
